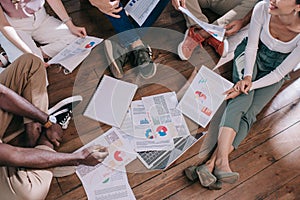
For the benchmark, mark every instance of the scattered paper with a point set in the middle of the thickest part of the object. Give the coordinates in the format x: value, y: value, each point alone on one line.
x: 71, y: 56
x: 108, y: 180
x: 217, y: 32
x: 111, y: 101
x: 204, y: 96
x: 145, y: 137
x: 161, y: 109
x: 106, y: 183
x: 140, y: 10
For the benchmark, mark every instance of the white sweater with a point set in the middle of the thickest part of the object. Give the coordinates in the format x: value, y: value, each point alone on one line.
x: 259, y: 30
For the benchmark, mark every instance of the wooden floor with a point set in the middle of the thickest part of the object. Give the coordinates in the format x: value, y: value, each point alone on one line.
x: 268, y: 159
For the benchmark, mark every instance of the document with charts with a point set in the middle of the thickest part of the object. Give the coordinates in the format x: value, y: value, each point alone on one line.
x: 139, y: 10
x: 204, y: 96
x: 71, y: 56
x: 217, y: 32
x: 120, y: 151
x: 161, y: 109
x: 145, y: 136
x: 107, y: 183
x: 111, y: 101
x: 108, y: 180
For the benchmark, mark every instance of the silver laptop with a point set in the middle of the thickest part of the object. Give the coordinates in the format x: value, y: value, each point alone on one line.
x: 163, y: 159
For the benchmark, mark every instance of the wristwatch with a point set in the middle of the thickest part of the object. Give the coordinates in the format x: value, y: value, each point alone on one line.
x: 50, y: 121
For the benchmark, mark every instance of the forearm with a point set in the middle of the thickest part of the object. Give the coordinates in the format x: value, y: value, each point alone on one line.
x: 35, y: 158
x: 246, y: 20
x: 10, y: 33
x: 13, y: 103
x: 58, y: 7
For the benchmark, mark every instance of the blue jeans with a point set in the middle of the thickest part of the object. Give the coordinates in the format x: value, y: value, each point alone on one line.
x: 123, y: 25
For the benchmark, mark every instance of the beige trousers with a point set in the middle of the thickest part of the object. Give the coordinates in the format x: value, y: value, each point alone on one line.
x: 27, y: 77
x: 229, y: 10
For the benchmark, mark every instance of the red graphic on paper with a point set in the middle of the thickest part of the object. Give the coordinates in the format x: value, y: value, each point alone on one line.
x: 206, y: 111
x: 200, y: 95
x: 117, y: 156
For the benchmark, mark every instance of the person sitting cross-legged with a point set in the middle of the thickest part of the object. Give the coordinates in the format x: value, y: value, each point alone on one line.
x: 230, y: 12
x: 26, y: 165
x: 129, y: 47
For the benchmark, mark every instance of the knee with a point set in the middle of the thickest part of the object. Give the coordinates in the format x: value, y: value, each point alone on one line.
x: 31, y: 64
x: 36, y: 185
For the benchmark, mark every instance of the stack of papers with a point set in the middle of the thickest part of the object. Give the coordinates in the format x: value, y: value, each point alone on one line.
x: 156, y: 121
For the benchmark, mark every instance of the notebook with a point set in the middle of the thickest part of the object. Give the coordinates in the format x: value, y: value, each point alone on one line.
x: 111, y: 101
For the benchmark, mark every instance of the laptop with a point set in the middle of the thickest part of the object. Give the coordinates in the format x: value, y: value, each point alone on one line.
x: 164, y: 158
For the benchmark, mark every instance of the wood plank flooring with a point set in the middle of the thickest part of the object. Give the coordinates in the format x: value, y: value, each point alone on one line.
x: 268, y: 159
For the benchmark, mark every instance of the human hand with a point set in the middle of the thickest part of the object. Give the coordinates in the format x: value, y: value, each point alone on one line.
x: 244, y: 85
x: 232, y: 93
x: 76, y: 30
x: 93, y: 155
x: 177, y: 3
x: 108, y: 7
x: 233, y: 27
x: 54, y: 134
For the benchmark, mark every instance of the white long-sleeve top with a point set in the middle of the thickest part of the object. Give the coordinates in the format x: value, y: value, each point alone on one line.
x: 259, y: 30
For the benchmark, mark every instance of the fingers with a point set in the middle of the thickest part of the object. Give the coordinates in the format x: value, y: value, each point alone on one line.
x: 177, y: 3
x: 99, y: 152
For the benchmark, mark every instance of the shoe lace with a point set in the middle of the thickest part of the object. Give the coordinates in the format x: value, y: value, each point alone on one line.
x: 66, y: 120
x: 196, y: 36
x: 141, y: 56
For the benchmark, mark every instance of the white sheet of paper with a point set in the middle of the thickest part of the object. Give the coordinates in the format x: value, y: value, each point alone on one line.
x: 111, y: 101
x: 106, y: 183
x: 204, y: 96
x: 120, y: 152
x: 140, y: 10
x: 217, y: 32
x: 71, y: 56
x: 144, y: 136
x: 127, y: 125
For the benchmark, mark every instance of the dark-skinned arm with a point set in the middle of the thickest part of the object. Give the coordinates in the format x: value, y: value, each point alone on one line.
x: 41, y: 159
x: 14, y: 103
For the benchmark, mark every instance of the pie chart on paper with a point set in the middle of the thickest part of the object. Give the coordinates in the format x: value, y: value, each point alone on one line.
x: 118, y: 156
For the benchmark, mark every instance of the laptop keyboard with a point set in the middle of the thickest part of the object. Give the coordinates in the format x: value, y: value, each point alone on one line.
x: 150, y: 156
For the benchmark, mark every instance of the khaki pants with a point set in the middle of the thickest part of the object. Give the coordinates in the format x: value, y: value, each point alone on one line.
x: 27, y: 77
x: 228, y: 9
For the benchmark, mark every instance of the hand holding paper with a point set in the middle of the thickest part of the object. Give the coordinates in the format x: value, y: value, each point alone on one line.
x: 216, y: 31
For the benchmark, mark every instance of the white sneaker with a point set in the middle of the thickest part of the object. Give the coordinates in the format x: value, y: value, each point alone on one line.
x: 63, y: 110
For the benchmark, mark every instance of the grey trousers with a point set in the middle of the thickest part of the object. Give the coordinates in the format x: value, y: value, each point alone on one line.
x: 240, y: 112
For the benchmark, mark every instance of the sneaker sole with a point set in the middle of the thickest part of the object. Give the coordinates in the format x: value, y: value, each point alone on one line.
x: 64, y: 102
x: 148, y: 77
x: 179, y: 48
x: 3, y: 59
x: 226, y: 48
x: 111, y: 60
